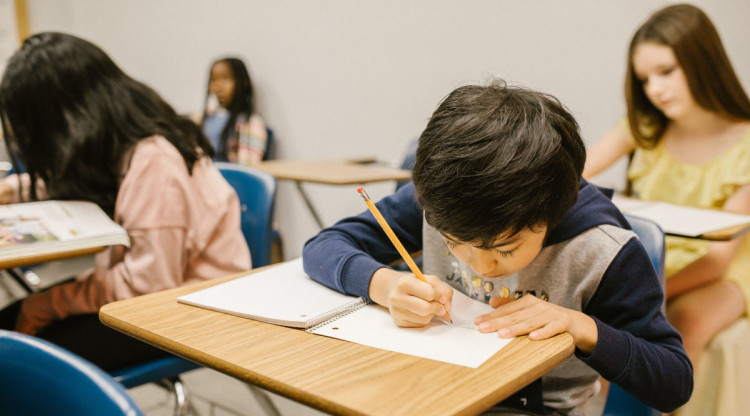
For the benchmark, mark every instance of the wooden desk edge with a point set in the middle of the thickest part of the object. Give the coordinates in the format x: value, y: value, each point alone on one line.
x: 387, y: 173
x: 47, y: 257
x: 561, y: 344
x: 726, y: 234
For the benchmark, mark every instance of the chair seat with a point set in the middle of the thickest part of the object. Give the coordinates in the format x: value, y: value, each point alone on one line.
x: 153, y: 371
x: 41, y: 378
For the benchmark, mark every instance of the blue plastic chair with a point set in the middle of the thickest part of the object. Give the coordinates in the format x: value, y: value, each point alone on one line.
x: 410, y: 157
x: 270, y: 145
x: 41, y: 378
x: 257, y: 194
x: 652, y: 238
x: 619, y: 402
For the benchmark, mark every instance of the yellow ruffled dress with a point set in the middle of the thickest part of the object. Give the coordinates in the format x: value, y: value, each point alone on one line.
x: 722, y: 378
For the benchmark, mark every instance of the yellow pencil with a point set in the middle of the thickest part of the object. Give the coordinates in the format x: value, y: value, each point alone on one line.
x: 401, y: 250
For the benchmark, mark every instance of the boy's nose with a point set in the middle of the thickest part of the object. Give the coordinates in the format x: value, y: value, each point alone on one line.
x: 483, y: 262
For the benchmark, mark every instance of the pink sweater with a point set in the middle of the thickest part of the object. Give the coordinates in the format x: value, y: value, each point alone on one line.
x: 183, y: 229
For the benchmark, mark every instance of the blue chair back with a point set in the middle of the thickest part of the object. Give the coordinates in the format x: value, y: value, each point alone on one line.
x: 270, y: 145
x: 410, y: 157
x: 257, y: 193
x: 652, y: 238
x: 41, y: 378
x: 619, y: 402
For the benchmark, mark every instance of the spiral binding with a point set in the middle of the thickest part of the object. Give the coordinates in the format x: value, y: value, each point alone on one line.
x: 337, y: 313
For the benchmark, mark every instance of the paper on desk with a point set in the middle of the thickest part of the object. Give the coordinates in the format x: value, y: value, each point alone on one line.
x: 460, y: 343
x: 465, y: 309
x: 308, y: 304
x: 679, y: 219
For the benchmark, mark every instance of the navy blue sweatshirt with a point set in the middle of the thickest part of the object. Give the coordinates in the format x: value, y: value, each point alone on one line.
x: 637, y: 348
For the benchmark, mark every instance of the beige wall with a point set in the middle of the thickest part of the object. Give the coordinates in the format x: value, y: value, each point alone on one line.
x: 340, y: 78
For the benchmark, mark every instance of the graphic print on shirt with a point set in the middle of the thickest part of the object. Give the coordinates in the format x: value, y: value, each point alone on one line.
x: 488, y: 288
x: 463, y: 278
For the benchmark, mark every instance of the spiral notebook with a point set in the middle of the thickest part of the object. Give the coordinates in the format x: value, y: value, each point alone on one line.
x: 285, y: 295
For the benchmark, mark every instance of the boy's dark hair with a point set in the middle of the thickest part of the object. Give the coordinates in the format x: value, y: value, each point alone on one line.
x: 494, y: 160
x: 71, y: 116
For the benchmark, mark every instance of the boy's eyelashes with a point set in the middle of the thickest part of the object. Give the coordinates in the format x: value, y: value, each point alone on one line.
x: 506, y: 253
x: 502, y: 252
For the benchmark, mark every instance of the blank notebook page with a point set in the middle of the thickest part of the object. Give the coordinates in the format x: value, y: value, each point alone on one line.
x: 281, y: 295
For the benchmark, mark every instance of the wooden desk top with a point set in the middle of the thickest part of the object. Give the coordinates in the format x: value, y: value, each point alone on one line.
x: 725, y: 234
x: 334, y: 376
x: 44, y: 258
x: 333, y: 171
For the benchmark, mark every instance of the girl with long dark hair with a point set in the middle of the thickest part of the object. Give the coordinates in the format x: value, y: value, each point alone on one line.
x: 230, y: 121
x: 84, y: 130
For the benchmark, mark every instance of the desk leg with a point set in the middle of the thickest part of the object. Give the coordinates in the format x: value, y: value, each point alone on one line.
x: 19, y: 276
x: 309, y: 204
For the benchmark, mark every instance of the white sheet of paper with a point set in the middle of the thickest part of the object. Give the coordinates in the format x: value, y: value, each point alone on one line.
x: 460, y: 343
x: 681, y: 220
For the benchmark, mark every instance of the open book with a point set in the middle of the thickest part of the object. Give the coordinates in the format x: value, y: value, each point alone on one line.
x: 47, y: 227
x: 679, y: 219
x: 285, y: 295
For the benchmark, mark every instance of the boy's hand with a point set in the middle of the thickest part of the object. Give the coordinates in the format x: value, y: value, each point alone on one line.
x: 412, y: 302
x: 540, y: 319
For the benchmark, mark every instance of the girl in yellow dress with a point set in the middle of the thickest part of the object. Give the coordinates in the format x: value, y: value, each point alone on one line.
x: 688, y: 124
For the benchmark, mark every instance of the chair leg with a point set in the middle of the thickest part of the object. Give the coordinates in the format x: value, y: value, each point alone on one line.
x: 182, y: 403
x: 175, y: 386
x: 264, y: 400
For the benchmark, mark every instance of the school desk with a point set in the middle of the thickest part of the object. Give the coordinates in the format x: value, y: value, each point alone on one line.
x: 27, y: 260
x: 330, y: 172
x: 12, y: 265
x: 331, y: 375
x: 688, y: 222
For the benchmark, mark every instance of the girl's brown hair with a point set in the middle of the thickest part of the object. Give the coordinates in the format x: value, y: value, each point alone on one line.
x: 699, y: 51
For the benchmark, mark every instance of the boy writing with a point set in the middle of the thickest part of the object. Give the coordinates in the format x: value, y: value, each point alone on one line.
x: 497, y: 195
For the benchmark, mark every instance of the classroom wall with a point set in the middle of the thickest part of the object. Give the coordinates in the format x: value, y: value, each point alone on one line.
x: 341, y: 78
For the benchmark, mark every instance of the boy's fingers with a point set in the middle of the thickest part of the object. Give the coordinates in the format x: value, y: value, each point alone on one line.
x: 421, y: 299
x: 417, y: 312
x: 522, y: 319
x: 422, y: 290
x: 498, y: 302
x: 549, y: 330
x: 444, y: 291
x: 503, y: 308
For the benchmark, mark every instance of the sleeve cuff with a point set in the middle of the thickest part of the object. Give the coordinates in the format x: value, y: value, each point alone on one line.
x: 356, y: 273
x: 611, y: 353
